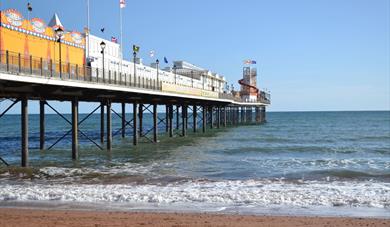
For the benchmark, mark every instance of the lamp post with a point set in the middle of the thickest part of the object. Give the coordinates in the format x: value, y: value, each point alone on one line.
x: 59, y: 33
x: 135, y: 70
x: 157, y: 65
x: 103, y: 46
x: 192, y: 78
x: 174, y: 71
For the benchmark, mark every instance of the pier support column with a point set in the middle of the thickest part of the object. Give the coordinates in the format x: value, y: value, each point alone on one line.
x: 135, y: 131
x: 141, y: 114
x: 242, y: 115
x: 218, y: 117
x: 204, y: 119
x: 184, y: 120
x: 177, y: 117
x: 123, y: 119
x: 170, y: 120
x: 102, y: 122
x: 24, y: 124
x: 237, y: 110
x: 167, y: 118
x: 224, y: 116
x: 264, y: 114
x: 257, y: 117
x: 155, y: 126
x: 41, y: 124
x: 211, y: 118
x: 194, y: 116
x: 251, y: 114
x: 234, y: 115
x: 109, y: 129
x: 75, y: 129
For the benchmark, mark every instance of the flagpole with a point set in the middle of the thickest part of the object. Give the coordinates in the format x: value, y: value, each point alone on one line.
x: 121, y: 34
x: 88, y: 28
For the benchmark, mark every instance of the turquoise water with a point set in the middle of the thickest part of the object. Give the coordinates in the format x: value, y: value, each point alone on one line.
x: 309, y: 162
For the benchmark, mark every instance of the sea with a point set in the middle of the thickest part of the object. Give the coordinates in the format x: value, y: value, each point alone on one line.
x: 297, y: 163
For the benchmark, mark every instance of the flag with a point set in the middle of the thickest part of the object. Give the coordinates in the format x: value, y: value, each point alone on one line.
x: 249, y: 62
x: 114, y: 40
x: 136, y: 48
x: 29, y: 7
x: 151, y: 53
x: 165, y: 60
x: 122, y: 3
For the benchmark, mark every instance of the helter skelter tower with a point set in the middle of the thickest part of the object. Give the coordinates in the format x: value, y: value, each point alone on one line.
x: 249, y: 91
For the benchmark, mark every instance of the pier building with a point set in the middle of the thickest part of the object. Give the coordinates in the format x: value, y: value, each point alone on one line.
x: 50, y: 62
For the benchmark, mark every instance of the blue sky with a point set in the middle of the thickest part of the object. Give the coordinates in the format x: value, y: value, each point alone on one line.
x: 311, y: 55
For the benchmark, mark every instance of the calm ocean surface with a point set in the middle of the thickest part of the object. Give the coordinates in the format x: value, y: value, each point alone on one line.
x: 319, y: 163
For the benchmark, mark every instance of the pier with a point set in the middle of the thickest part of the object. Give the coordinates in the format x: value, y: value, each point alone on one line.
x: 46, y: 63
x: 22, y: 83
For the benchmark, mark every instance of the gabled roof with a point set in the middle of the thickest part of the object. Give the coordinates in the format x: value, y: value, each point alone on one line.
x: 55, y: 22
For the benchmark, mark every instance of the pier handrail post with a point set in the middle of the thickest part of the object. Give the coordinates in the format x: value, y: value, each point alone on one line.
x: 31, y: 67
x: 19, y: 63
x: 7, y: 59
x: 41, y: 62
x: 51, y: 67
x: 77, y: 72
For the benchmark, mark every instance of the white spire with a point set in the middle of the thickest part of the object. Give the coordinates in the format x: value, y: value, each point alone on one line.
x: 55, y: 21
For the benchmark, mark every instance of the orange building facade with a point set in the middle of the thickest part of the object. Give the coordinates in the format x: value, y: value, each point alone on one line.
x: 34, y: 39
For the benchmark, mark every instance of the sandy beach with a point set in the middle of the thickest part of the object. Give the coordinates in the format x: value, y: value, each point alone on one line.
x: 35, y: 218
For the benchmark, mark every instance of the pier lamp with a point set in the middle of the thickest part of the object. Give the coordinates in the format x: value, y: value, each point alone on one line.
x: 192, y: 78
x: 103, y: 46
x: 174, y: 71
x: 59, y: 34
x: 157, y: 63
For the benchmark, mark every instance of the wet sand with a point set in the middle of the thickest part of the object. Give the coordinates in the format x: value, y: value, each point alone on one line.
x: 35, y: 218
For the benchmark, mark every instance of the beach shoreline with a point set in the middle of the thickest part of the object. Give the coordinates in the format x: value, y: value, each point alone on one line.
x: 42, y: 217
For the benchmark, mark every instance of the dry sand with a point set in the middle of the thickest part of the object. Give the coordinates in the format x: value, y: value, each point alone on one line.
x: 35, y: 218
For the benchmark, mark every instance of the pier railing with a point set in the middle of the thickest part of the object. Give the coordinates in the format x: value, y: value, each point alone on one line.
x: 21, y: 64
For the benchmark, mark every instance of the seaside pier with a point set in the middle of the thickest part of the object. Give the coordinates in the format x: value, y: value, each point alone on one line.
x: 32, y: 67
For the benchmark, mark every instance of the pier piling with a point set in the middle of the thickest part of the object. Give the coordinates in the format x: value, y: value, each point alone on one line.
x: 24, y: 124
x: 194, y: 116
x: 135, y: 131
x: 170, y: 120
x: 184, y: 120
x: 109, y: 129
x: 140, y: 114
x: 75, y: 128
x: 155, y: 126
x: 123, y: 119
x: 41, y: 124
x: 204, y: 119
x: 102, y: 122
